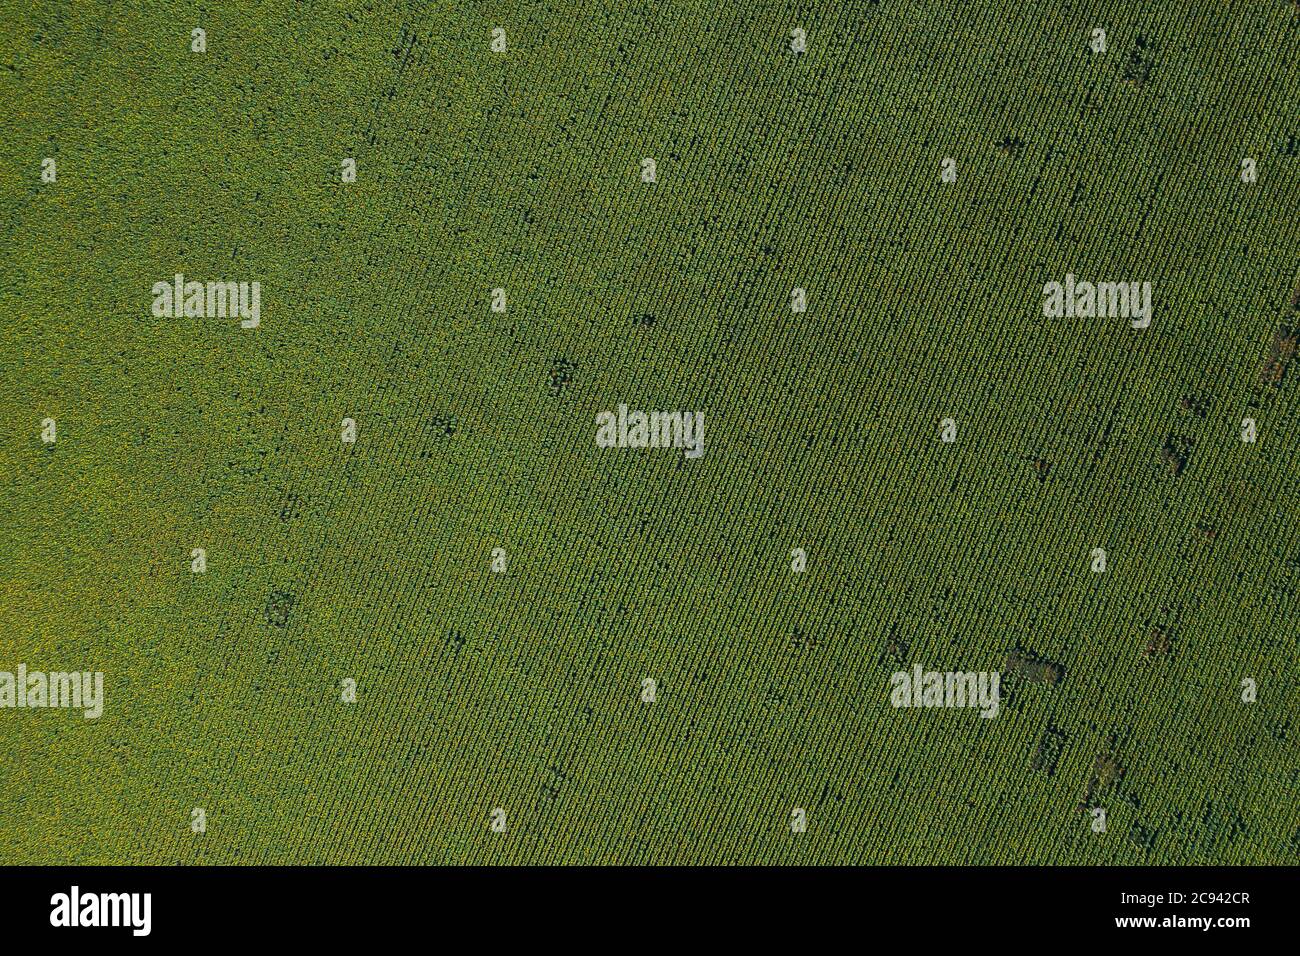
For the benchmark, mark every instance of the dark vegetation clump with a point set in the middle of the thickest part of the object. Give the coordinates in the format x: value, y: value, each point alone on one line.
x: 279, y: 605
x: 1141, y: 62
x: 1031, y: 668
x: 1220, y: 825
x: 1175, y: 453
x: 291, y: 507
x: 895, y: 651
x: 1143, y: 836
x: 1158, y: 642
x: 561, y: 374
x: 1161, y: 632
x: 441, y: 429
x: 1281, y: 350
x: 1106, y: 773
x: 1010, y: 145
x: 801, y: 640
x: 1048, y: 752
x: 1197, y: 405
x: 549, y: 792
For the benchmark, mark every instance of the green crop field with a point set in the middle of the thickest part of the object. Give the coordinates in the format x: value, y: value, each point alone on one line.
x: 362, y: 582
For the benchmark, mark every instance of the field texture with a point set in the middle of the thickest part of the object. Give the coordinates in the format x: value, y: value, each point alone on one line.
x: 523, y: 691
